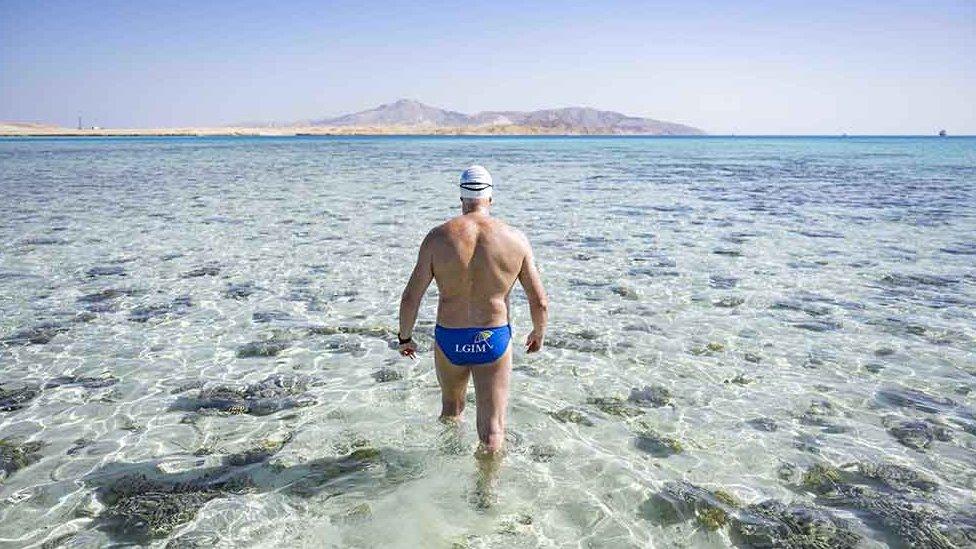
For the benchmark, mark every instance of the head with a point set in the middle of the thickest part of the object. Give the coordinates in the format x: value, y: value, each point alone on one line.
x: 476, y: 187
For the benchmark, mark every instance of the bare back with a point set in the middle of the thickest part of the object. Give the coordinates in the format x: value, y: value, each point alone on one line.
x: 475, y: 261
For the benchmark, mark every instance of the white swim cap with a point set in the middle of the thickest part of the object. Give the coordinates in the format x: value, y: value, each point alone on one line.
x: 475, y: 183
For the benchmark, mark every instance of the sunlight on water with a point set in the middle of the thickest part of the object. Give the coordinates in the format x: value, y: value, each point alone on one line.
x: 195, y: 343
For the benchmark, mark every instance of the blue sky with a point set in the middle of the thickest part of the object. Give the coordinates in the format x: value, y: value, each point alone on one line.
x: 886, y: 67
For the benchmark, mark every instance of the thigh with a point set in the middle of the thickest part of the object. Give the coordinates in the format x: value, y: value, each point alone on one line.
x: 491, y: 386
x: 452, y: 379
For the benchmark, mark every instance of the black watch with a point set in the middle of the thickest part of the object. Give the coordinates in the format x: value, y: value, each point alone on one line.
x: 404, y: 341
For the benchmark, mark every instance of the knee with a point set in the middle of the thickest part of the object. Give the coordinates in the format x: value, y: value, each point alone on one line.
x: 452, y: 407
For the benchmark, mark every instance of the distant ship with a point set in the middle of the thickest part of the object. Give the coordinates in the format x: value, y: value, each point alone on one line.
x: 942, y: 133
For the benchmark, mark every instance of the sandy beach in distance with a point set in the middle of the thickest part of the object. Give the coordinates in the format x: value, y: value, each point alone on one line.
x: 41, y: 130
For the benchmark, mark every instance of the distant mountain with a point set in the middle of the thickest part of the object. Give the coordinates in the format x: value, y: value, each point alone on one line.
x: 400, y: 113
x: 409, y: 113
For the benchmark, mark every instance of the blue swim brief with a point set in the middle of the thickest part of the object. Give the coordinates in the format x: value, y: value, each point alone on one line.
x: 468, y: 346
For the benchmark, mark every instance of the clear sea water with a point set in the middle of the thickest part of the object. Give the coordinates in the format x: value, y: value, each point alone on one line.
x: 790, y: 301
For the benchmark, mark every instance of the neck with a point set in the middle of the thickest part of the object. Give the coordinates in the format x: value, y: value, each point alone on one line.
x: 476, y: 208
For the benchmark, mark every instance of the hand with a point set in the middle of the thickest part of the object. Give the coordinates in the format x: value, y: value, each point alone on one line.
x: 409, y: 349
x: 533, y: 343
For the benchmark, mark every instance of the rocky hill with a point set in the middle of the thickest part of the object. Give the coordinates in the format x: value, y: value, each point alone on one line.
x: 581, y: 120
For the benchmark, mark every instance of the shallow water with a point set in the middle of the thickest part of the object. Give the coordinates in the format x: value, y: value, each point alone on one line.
x: 806, y: 281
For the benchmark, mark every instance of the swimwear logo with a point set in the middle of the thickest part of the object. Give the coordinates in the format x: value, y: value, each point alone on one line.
x: 481, y: 343
x: 483, y: 337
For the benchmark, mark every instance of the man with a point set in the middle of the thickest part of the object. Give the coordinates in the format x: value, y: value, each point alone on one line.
x: 475, y: 260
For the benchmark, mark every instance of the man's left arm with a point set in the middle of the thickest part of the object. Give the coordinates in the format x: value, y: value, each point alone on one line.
x: 413, y: 294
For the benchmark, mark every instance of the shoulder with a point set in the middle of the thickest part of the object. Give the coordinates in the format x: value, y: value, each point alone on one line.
x: 435, y: 234
x: 515, y: 235
x: 512, y: 231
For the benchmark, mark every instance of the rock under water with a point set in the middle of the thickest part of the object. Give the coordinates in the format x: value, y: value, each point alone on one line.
x: 266, y: 348
x: 651, y: 396
x: 144, y: 313
x: 894, y: 500
x: 572, y: 415
x: 615, y: 406
x: 384, y: 375
x: 105, y: 270
x: 16, y: 396
x: 81, y: 381
x: 206, y: 270
x: 36, y: 335
x: 918, y: 435
x: 270, y: 395
x: 769, y: 524
x: 775, y: 524
x: 658, y: 445
x: 15, y: 456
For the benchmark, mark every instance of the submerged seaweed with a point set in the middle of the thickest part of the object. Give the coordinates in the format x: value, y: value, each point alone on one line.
x: 266, y: 348
x: 17, y: 396
x: 241, y: 290
x: 206, y: 270
x: 680, y: 500
x: 15, y: 456
x: 658, y: 445
x: 729, y: 302
x: 107, y: 294
x: 270, y: 395
x: 36, y: 335
x: 614, y: 406
x: 918, y: 435
x: 381, y: 332
x: 177, y: 307
x: 105, y: 270
x: 81, y: 381
x: 775, y: 524
x: 769, y: 524
x: 651, y: 396
x: 915, y: 399
x: 582, y: 341
x: 894, y: 498
x: 821, y: 413
x: 152, y: 514
x: 763, y: 424
x: 572, y: 415
x: 143, y: 503
x: 384, y: 375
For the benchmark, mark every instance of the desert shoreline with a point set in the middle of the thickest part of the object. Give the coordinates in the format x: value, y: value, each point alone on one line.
x: 49, y: 131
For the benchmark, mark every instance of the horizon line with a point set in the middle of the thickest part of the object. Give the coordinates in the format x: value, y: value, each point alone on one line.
x: 477, y: 135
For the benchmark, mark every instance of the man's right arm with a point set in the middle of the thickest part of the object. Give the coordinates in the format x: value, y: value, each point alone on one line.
x: 538, y: 301
x: 423, y: 273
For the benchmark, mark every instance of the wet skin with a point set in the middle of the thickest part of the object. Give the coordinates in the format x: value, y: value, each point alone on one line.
x: 475, y: 260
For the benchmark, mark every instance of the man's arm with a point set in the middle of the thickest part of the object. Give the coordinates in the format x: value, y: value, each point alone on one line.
x: 538, y: 301
x: 413, y: 294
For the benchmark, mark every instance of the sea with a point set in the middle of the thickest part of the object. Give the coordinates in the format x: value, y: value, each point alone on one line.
x: 753, y: 341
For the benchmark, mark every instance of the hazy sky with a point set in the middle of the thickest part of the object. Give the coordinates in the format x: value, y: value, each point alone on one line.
x: 826, y: 66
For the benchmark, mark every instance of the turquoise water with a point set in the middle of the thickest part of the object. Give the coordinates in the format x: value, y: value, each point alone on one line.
x: 213, y: 316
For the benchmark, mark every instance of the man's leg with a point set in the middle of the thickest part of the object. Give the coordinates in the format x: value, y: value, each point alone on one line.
x: 454, y: 385
x: 491, y: 394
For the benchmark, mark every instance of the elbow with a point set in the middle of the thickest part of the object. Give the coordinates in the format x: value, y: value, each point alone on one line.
x: 408, y: 298
x: 541, y: 304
